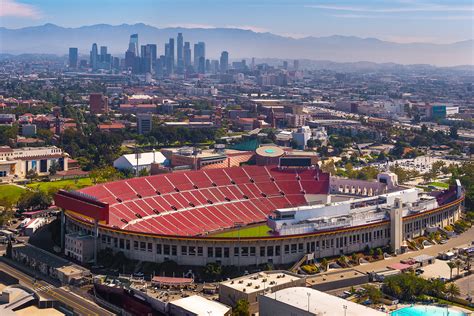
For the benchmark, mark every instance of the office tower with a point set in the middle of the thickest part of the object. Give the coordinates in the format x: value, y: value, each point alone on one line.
x: 199, y: 51
x: 98, y: 103
x: 180, y: 54
x: 103, y: 52
x: 167, y: 59
x: 252, y: 65
x: 187, y: 55
x: 73, y: 56
x: 144, y: 123
x: 116, y: 63
x: 147, y: 57
x: 160, y: 66
x: 208, y: 65
x: 224, y: 62
x: 94, y: 57
x: 285, y: 65
x: 171, y: 56
x: 215, y: 66
x: 133, y: 44
x: 296, y: 64
x: 201, y: 65
x: 129, y: 60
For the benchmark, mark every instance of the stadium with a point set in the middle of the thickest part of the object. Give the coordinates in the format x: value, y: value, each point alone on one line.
x: 248, y: 215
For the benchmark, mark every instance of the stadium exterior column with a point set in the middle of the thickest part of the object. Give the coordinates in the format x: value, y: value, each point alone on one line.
x: 96, y: 237
x: 63, y: 229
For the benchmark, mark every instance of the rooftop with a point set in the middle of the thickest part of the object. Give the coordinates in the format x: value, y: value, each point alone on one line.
x: 320, y: 303
x: 201, y: 306
x: 260, y: 281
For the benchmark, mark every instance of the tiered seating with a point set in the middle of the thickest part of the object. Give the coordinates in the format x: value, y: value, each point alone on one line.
x: 199, y: 179
x: 199, y: 202
x: 217, y: 176
x: 143, y: 188
x: 179, y: 180
x: 237, y: 175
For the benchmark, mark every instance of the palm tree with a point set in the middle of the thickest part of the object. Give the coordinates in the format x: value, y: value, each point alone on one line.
x: 437, y: 288
x: 451, y: 266
x: 343, y: 260
x: 324, y: 264
x: 452, y: 290
x: 458, y: 264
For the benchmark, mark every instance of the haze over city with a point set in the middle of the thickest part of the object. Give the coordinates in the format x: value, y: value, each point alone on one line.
x: 235, y: 158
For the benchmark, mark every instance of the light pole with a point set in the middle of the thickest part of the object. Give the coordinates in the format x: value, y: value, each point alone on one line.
x: 309, y: 295
x: 345, y: 309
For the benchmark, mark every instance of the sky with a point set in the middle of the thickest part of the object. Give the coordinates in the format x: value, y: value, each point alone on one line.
x: 403, y: 21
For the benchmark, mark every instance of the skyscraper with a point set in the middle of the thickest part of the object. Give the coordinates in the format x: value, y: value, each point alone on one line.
x: 180, y: 54
x: 169, y: 54
x: 224, y: 62
x: 94, y: 57
x: 73, y: 56
x: 187, y: 55
x: 199, y: 51
x: 133, y: 44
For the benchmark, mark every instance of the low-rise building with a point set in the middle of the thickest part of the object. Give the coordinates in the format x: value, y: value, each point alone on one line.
x: 196, y: 305
x: 139, y: 161
x: 16, y: 163
x: 80, y: 247
x: 251, y: 287
x: 302, y: 301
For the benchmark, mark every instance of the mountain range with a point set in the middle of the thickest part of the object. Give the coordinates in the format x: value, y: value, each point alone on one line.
x: 53, y: 39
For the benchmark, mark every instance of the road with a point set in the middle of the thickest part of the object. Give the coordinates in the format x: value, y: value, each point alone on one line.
x: 462, y: 240
x: 49, y: 291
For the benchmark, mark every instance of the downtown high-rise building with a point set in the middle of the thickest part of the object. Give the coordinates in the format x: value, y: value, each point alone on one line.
x: 180, y: 54
x: 224, y: 61
x: 169, y: 55
x: 94, y: 57
x: 200, y: 57
x: 187, y: 56
x: 73, y: 57
x: 133, y: 44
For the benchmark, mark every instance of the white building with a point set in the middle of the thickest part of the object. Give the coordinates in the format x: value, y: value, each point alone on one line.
x: 196, y: 305
x: 301, y: 136
x: 79, y: 247
x: 15, y: 163
x: 140, y: 161
x: 304, y: 301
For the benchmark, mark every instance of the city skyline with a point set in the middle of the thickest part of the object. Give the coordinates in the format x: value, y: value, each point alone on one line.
x: 415, y: 21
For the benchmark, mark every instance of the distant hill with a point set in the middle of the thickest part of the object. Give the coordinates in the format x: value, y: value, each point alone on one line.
x: 53, y: 39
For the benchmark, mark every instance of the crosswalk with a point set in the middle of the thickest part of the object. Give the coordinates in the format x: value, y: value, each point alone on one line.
x: 42, y: 288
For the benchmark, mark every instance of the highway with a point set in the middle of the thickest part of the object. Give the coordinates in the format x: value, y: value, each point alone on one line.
x: 78, y: 304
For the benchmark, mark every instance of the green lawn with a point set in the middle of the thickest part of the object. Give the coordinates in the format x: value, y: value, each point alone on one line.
x: 439, y: 184
x: 69, y: 184
x: 254, y: 231
x: 10, y: 192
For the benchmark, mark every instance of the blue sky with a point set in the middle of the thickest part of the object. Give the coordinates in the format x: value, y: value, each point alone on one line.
x: 437, y: 21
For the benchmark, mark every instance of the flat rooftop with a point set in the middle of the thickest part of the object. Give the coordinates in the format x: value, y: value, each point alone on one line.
x: 320, y: 303
x: 260, y: 281
x: 334, y: 276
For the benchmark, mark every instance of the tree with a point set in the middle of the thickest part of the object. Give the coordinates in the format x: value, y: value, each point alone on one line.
x: 31, y: 174
x: 213, y: 270
x: 458, y: 264
x: 453, y: 132
x: 53, y: 169
x: 143, y: 172
x: 372, y: 292
x: 451, y: 266
x: 105, y: 174
x: 379, y: 252
x: 34, y: 200
x: 452, y: 290
x: 241, y: 308
x: 437, y: 288
x: 324, y: 264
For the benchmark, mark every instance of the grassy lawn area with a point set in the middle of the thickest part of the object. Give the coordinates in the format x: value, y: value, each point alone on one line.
x: 254, y: 231
x: 10, y: 192
x: 439, y: 184
x: 70, y: 184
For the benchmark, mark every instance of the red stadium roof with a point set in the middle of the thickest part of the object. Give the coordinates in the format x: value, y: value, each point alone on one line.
x: 196, y: 203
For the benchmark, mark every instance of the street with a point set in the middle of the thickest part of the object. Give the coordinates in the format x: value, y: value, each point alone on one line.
x: 49, y: 291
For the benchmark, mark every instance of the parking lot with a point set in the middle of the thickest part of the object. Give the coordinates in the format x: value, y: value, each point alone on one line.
x: 439, y: 269
x: 466, y: 286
